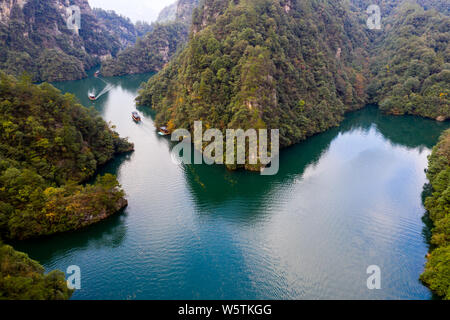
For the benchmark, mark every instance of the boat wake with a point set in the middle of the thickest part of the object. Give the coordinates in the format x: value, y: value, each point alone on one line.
x: 105, y: 90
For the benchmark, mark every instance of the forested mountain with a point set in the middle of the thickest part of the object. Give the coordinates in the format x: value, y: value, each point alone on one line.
x: 299, y: 65
x: 168, y: 14
x: 142, y: 28
x: 125, y: 32
x: 411, y: 68
x: 156, y: 48
x: 48, y: 145
x: 293, y: 65
x: 437, y: 271
x: 150, y: 53
x: 185, y: 8
x: 121, y: 27
x: 34, y: 38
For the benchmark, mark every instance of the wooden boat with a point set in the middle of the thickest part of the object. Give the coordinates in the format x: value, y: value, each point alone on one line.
x: 163, y: 131
x: 136, y: 117
x: 92, y: 97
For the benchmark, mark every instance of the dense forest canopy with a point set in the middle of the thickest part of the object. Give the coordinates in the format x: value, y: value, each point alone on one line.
x: 150, y: 53
x: 265, y: 64
x: 158, y: 46
x: 23, y: 279
x: 437, y: 271
x: 121, y: 27
x: 299, y: 65
x: 49, y: 144
x: 387, y: 6
x: 411, y: 69
x: 35, y: 39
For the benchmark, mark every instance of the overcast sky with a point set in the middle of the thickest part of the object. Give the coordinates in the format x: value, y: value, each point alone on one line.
x: 146, y: 10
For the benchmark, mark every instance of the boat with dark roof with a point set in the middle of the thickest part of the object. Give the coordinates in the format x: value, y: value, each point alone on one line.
x: 163, y: 131
x: 136, y: 117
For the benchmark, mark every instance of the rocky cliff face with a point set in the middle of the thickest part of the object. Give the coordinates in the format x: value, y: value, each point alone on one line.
x: 207, y: 13
x: 168, y: 14
x: 6, y: 7
x: 150, y: 53
x: 185, y: 9
x: 35, y: 38
x: 180, y: 11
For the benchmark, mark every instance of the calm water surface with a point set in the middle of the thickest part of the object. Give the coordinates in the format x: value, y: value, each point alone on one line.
x: 342, y: 201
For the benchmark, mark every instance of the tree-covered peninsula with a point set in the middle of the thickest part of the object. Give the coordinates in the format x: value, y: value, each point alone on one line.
x: 49, y: 145
x: 437, y: 271
x: 150, y: 53
x: 300, y: 65
x: 35, y: 39
x: 23, y: 279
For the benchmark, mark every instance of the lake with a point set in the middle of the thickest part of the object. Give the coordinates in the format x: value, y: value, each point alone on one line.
x: 342, y: 201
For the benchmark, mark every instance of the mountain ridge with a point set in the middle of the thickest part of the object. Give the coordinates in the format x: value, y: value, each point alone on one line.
x: 156, y: 48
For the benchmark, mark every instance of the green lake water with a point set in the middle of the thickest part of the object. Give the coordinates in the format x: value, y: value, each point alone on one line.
x: 342, y: 201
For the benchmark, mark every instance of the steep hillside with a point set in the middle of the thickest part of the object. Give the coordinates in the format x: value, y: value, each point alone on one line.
x: 293, y: 65
x: 34, y: 38
x: 142, y: 28
x: 411, y: 68
x: 157, y: 47
x: 168, y: 14
x: 150, y: 53
x: 122, y: 28
x: 23, y: 279
x: 437, y: 271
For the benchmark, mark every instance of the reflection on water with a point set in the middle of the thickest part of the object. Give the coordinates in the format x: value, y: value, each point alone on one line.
x: 109, y: 233
x: 342, y: 201
x: 207, y: 183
